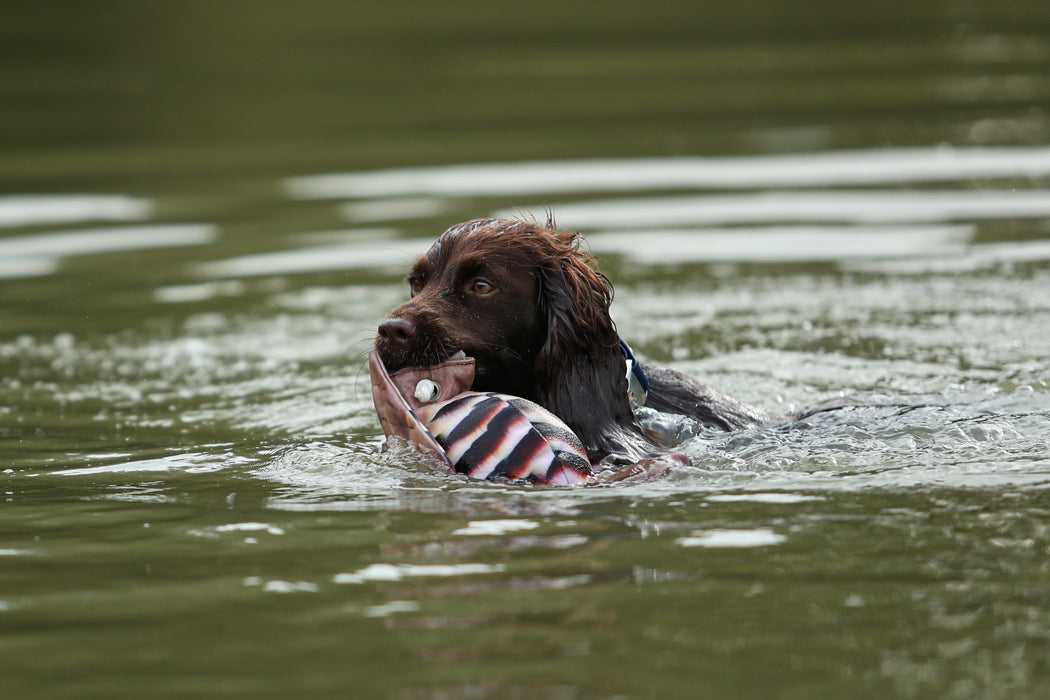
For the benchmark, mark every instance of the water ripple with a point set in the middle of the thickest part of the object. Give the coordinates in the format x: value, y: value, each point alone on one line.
x: 860, y: 167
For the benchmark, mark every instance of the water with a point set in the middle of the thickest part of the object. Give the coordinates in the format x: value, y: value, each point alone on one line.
x: 833, y: 210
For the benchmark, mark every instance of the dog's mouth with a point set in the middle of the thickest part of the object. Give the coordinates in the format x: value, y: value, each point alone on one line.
x: 399, y: 355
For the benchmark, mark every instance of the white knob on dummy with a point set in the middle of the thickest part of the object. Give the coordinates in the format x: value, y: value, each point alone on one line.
x: 427, y: 390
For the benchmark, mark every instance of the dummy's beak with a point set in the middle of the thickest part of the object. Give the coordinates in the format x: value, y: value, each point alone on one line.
x: 396, y: 401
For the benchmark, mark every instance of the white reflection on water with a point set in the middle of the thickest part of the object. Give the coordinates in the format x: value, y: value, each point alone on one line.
x: 190, y: 462
x: 775, y: 497
x: 34, y: 210
x: 278, y: 586
x: 720, y: 538
x: 106, y: 240
x: 788, y: 224
x: 39, y: 253
x: 364, y: 254
x: 977, y: 258
x: 181, y: 293
x: 391, y: 608
x: 871, y: 207
x: 859, y: 167
x: 394, y: 209
x: 782, y: 243
x: 495, y: 527
x: 399, y: 572
x: 250, y: 527
x: 19, y: 268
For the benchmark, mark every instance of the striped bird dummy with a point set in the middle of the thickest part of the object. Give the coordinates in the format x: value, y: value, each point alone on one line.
x: 484, y: 435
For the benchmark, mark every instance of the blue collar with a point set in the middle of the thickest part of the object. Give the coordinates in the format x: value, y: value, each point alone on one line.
x: 636, y: 366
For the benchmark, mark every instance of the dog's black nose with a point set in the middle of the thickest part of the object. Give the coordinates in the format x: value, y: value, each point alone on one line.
x: 397, y: 329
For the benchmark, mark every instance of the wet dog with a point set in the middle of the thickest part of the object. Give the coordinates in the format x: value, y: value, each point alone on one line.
x: 532, y: 309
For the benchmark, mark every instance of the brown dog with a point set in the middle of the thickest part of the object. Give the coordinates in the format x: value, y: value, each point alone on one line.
x: 530, y: 307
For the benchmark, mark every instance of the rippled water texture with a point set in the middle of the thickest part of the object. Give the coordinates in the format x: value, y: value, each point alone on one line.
x: 839, y: 213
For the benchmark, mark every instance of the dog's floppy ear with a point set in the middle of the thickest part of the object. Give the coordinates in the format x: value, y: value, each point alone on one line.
x: 580, y: 370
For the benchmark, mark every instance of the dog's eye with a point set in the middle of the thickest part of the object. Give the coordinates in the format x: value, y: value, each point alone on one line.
x: 482, y: 287
x: 415, y: 286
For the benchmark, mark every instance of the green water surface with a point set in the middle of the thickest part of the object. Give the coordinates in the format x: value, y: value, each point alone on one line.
x: 195, y: 502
